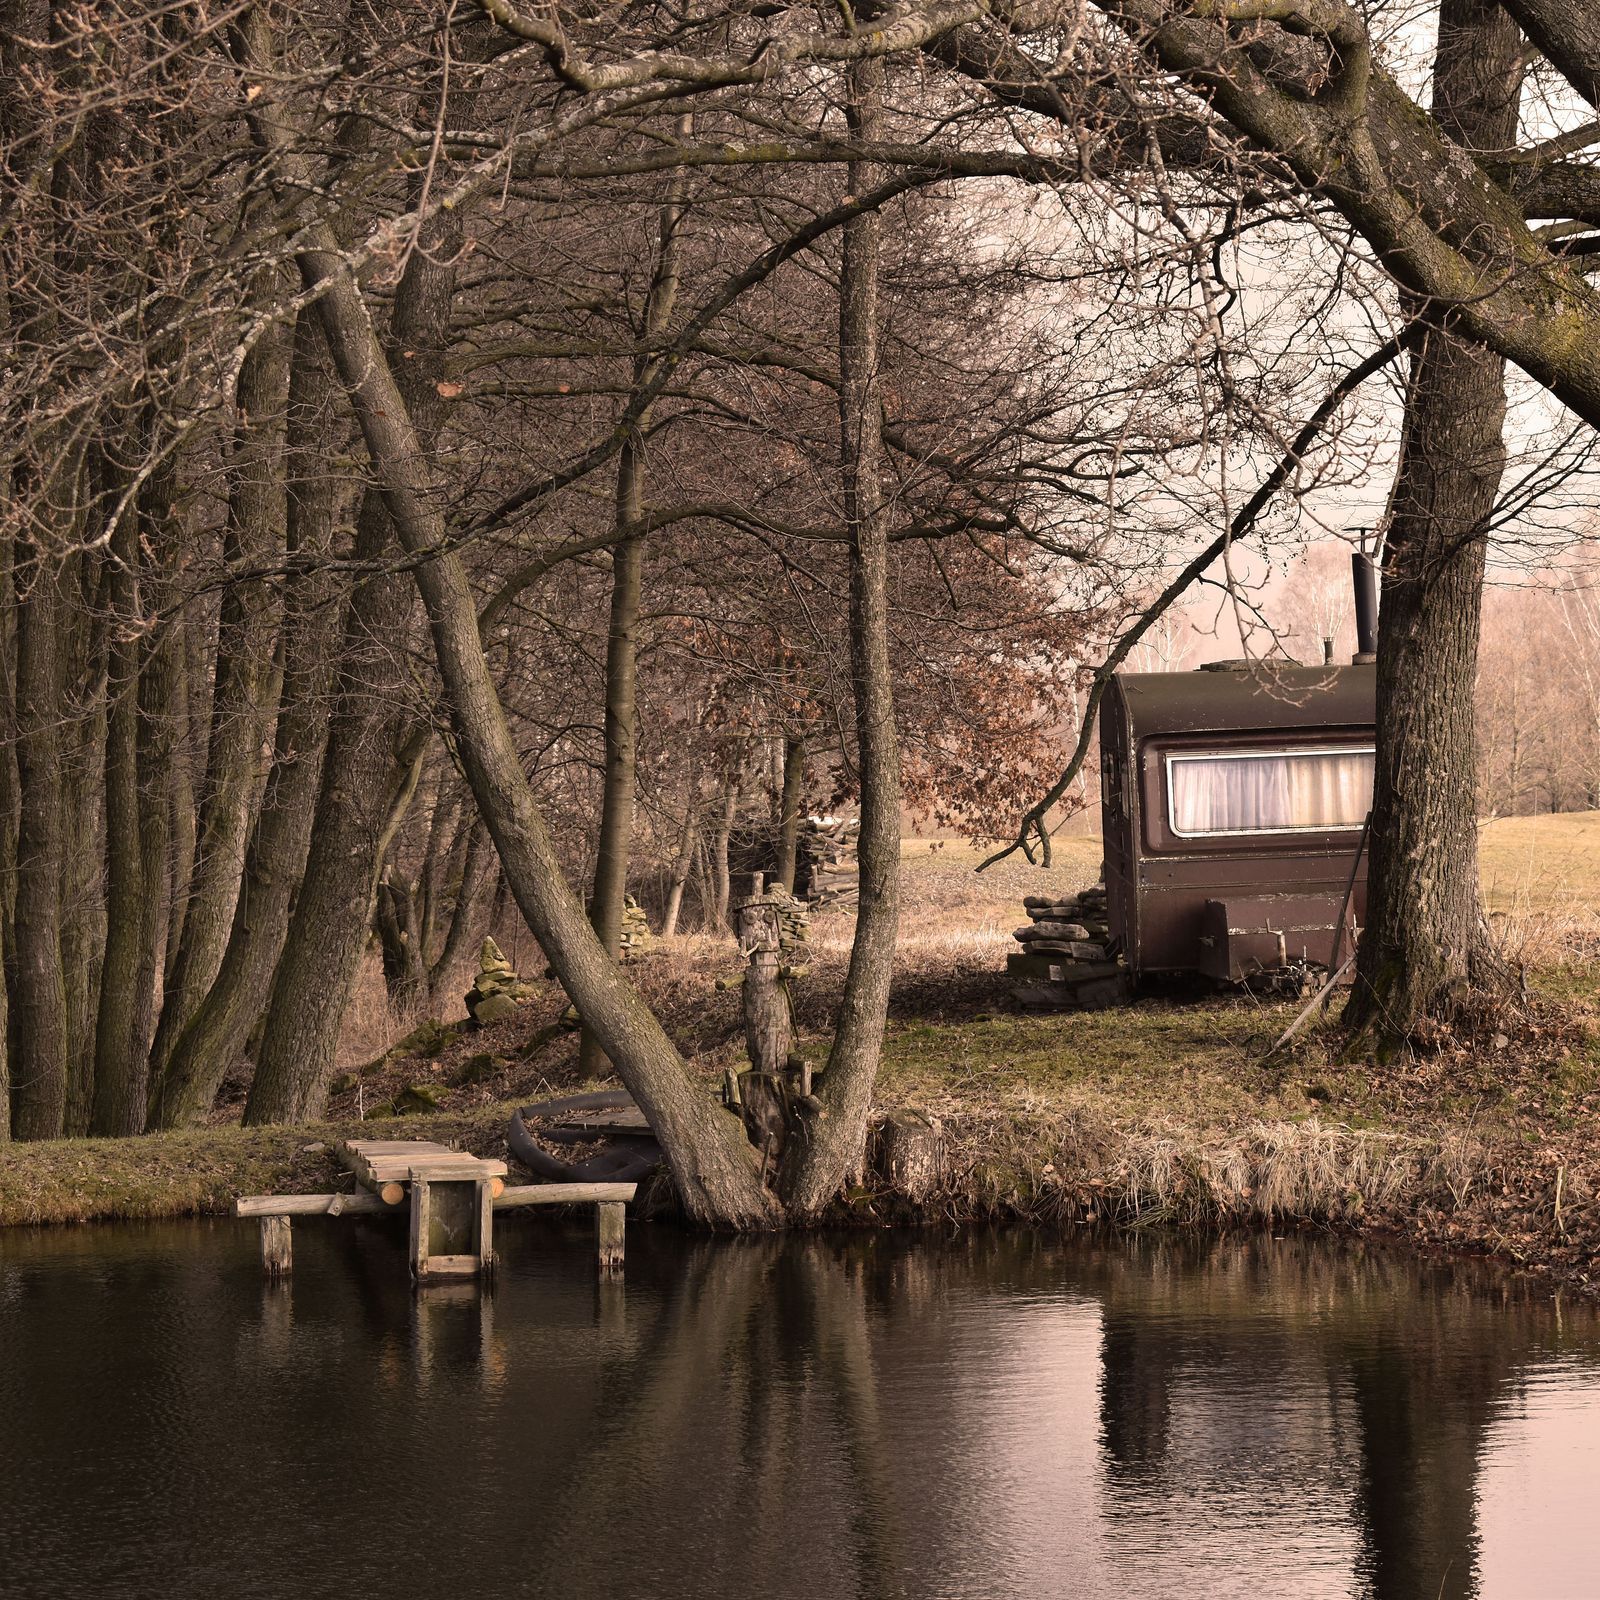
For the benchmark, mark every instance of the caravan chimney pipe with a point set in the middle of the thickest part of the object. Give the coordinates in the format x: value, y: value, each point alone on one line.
x: 1365, y: 576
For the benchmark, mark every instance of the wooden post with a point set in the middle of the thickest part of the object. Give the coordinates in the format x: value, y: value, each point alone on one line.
x: 483, y: 1225
x: 768, y: 1028
x: 277, y: 1247
x: 421, y: 1227
x: 611, y: 1233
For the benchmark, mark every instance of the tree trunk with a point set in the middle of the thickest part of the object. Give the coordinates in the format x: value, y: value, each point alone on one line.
x: 1426, y: 944
x: 720, y: 890
x: 214, y: 1038
x: 254, y: 531
x: 444, y: 847
x: 681, y: 862
x: 180, y: 793
x: 122, y: 1038
x: 622, y: 643
x: 791, y: 800
x: 356, y: 810
x: 38, y: 991
x: 400, y: 937
x: 83, y: 928
x: 715, y: 1171
x: 322, y: 949
x: 474, y: 874
x: 835, y: 1155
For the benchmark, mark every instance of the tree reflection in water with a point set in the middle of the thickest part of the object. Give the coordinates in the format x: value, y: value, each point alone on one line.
x: 873, y: 1415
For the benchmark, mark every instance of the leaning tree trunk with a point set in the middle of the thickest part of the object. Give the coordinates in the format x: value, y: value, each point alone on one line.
x: 1426, y: 945
x: 836, y: 1152
x: 712, y: 1165
x: 622, y: 636
x: 682, y: 860
x: 714, y: 1169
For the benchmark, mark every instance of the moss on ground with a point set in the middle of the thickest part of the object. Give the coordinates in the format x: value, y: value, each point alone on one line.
x: 199, y: 1170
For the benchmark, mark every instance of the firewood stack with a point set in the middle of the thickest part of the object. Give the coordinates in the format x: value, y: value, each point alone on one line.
x: 835, y: 873
x: 1065, y: 954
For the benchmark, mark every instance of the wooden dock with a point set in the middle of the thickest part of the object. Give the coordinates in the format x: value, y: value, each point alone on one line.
x: 453, y: 1197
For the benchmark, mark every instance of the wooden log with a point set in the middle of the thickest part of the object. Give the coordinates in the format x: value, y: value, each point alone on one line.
x: 392, y: 1193
x: 911, y: 1154
x: 610, y: 1232
x: 564, y: 1194
x: 307, y: 1205
x: 277, y: 1247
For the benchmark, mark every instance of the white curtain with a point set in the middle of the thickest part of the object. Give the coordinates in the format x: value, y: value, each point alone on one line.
x: 1270, y: 792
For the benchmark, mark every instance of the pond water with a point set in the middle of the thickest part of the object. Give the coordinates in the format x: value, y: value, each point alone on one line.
x: 992, y: 1415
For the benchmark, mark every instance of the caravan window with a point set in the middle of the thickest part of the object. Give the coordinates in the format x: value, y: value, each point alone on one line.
x: 1269, y: 791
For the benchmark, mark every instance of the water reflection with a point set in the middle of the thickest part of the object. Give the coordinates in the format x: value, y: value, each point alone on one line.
x: 997, y: 1415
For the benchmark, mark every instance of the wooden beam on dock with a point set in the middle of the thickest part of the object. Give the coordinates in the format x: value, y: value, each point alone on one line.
x: 310, y: 1205
x: 564, y: 1194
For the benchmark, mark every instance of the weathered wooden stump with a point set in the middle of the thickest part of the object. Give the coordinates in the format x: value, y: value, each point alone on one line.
x: 277, y: 1247
x: 765, y: 1093
x: 611, y: 1235
x: 911, y: 1154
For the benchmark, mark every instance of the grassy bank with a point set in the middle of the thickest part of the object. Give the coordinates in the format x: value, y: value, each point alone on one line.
x: 1166, y: 1111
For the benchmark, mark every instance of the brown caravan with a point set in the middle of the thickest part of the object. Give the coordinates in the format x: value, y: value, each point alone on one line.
x: 1233, y: 800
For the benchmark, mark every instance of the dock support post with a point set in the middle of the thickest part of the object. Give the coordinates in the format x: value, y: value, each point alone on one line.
x: 421, y: 1227
x: 483, y: 1225
x: 611, y: 1232
x: 277, y: 1247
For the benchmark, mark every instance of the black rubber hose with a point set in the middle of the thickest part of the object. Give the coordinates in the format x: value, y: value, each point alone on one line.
x: 627, y: 1164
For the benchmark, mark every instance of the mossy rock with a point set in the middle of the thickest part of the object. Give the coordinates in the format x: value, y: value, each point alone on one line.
x: 426, y: 1039
x: 494, y: 1008
x: 476, y: 1068
x: 417, y: 1097
x: 344, y: 1083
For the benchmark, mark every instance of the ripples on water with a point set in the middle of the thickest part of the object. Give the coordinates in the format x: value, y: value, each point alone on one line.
x: 995, y: 1416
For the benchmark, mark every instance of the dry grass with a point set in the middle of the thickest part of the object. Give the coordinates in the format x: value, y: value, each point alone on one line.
x: 1541, y: 884
x: 1164, y: 1111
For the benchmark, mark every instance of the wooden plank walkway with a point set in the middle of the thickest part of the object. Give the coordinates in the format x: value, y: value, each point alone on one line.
x: 453, y: 1200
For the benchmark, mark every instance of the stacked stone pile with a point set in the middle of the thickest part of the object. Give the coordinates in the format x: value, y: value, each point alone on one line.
x: 831, y: 847
x: 637, y: 939
x: 496, y: 989
x: 1062, y: 935
x: 794, y: 918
